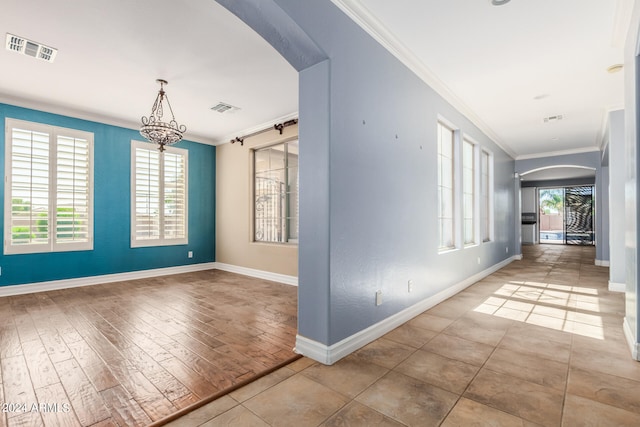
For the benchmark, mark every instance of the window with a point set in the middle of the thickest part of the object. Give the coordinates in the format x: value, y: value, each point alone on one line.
x: 486, y: 200
x: 159, y: 195
x: 48, y: 189
x: 468, y: 192
x: 275, y: 190
x: 445, y: 186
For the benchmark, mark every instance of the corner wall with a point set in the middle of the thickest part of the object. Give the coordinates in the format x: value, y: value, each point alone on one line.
x: 616, y: 200
x: 631, y: 188
x: 368, y: 185
x: 234, y: 205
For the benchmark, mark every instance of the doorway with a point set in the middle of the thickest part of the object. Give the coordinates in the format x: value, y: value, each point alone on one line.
x: 566, y: 215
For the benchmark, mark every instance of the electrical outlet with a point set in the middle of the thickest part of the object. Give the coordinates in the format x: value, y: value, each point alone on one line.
x: 506, y: 250
x: 190, y: 254
x: 378, y: 297
x: 478, y: 260
x: 410, y: 286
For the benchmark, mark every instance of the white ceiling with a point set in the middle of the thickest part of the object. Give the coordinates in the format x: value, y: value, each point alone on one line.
x: 110, y: 54
x: 490, y: 62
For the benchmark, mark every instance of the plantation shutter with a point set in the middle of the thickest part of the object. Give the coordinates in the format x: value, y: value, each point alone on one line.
x: 48, y: 188
x: 147, y: 191
x: 73, y: 219
x: 174, y: 196
x: 29, y: 182
x: 159, y: 195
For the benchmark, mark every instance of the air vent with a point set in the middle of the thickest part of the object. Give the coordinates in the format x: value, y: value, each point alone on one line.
x: 553, y: 118
x: 30, y: 48
x: 222, y: 107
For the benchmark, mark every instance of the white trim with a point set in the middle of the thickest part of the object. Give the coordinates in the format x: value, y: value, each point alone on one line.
x: 557, y: 153
x: 355, y: 10
x: 602, y: 263
x: 617, y: 287
x: 518, y: 257
x: 260, y: 274
x: 98, y: 280
x: 634, y: 347
x: 331, y: 354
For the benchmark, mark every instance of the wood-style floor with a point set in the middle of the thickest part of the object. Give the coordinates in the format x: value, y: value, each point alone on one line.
x: 135, y: 352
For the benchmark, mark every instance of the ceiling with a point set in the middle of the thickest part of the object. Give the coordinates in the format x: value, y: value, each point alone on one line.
x: 505, y: 67
x: 110, y: 54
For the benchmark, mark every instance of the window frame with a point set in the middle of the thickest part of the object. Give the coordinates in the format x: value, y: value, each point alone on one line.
x: 162, y: 240
x: 487, y: 228
x: 475, y: 195
x: 455, y: 171
x: 252, y: 202
x: 54, y: 243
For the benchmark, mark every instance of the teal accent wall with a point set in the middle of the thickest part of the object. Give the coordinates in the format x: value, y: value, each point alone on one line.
x: 112, y: 206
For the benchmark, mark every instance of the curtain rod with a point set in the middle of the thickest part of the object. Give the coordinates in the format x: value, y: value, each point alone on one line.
x: 279, y: 127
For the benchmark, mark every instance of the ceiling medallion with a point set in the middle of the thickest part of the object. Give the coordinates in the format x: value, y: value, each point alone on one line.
x: 157, y: 131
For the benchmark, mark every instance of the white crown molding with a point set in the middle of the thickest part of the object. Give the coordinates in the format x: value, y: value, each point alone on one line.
x: 260, y: 274
x: 355, y: 10
x: 102, y: 279
x: 328, y: 355
x: 266, y: 125
x: 558, y: 153
x: 85, y: 115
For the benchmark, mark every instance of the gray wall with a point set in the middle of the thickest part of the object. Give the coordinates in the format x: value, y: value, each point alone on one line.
x: 631, y: 74
x: 616, y: 197
x: 368, y: 201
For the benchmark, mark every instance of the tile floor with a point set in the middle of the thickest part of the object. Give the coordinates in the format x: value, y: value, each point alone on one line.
x: 539, y: 342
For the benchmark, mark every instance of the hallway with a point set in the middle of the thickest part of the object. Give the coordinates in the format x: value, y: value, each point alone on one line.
x: 539, y: 342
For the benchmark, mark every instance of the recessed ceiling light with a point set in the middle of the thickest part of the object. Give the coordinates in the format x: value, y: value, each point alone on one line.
x: 541, y: 96
x: 615, y: 68
x: 499, y: 2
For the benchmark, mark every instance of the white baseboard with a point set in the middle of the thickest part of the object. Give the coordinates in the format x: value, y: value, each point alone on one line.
x: 602, y: 263
x: 97, y: 280
x: 260, y: 274
x: 617, y: 287
x: 517, y: 257
x: 331, y: 354
x: 634, y: 347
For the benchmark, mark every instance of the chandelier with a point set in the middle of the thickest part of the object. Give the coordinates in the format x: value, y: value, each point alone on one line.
x: 157, y: 131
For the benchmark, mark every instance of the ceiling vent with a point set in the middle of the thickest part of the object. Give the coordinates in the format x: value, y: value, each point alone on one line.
x: 30, y: 48
x: 551, y: 119
x: 222, y: 107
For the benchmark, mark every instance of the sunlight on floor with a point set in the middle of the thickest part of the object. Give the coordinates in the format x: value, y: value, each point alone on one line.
x: 564, y: 308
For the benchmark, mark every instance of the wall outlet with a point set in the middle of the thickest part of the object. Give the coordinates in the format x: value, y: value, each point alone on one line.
x: 378, y: 297
x: 190, y: 254
x: 478, y: 260
x: 506, y: 250
x: 410, y: 286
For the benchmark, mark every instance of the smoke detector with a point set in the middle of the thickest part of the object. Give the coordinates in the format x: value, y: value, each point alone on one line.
x: 553, y: 118
x: 30, y: 48
x: 223, y: 107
